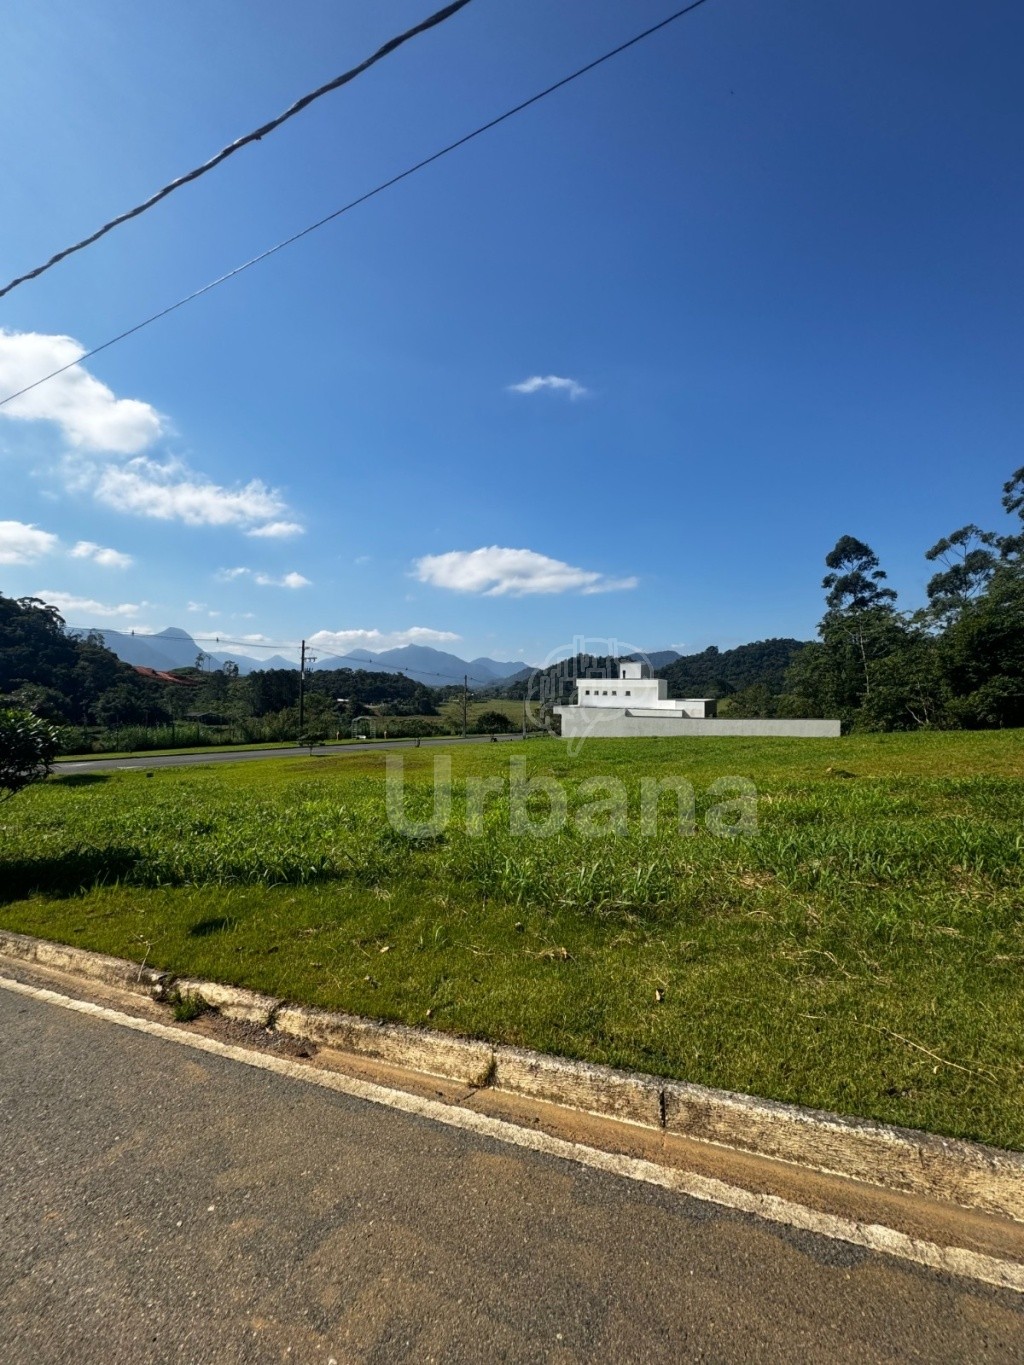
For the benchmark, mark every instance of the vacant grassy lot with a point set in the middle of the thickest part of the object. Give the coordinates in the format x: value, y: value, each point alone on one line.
x: 861, y: 952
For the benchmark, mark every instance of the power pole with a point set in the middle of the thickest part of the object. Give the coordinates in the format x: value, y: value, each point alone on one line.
x: 302, y: 689
x: 524, y: 713
x: 465, y: 703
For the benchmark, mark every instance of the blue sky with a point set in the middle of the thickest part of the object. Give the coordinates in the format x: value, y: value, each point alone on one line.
x: 773, y: 253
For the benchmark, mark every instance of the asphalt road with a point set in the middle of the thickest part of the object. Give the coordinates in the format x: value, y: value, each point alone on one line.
x: 248, y: 755
x: 163, y: 1204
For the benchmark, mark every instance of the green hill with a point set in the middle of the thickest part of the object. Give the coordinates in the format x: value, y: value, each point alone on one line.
x: 720, y: 672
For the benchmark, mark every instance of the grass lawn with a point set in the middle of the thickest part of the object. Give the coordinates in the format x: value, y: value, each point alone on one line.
x: 451, y: 711
x: 861, y: 952
x: 102, y: 754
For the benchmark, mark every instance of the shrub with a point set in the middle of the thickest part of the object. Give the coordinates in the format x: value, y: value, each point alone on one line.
x: 495, y: 723
x: 28, y: 746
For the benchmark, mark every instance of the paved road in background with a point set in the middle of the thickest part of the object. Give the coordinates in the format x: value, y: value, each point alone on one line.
x: 88, y: 765
x: 164, y: 1204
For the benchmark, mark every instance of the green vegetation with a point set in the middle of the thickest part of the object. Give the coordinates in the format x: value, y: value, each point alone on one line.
x: 28, y: 747
x: 102, y: 705
x: 862, y: 952
x: 956, y: 662
x: 186, y: 1008
x: 63, y: 679
x: 743, y: 673
x: 482, y: 716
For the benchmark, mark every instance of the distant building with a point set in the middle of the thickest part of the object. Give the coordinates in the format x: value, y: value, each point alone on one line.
x: 637, y: 704
x: 636, y: 691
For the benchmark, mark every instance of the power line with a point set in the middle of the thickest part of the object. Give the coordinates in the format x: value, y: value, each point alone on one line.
x: 241, y: 142
x: 362, y: 199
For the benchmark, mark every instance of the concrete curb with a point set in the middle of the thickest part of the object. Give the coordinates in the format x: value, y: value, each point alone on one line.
x: 437, y: 1054
x: 110, y: 971
x: 233, y: 1002
x: 965, y: 1173
x: 625, y: 1095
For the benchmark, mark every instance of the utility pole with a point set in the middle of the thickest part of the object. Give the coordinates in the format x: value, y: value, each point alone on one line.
x: 465, y: 703
x: 302, y: 689
x: 524, y: 712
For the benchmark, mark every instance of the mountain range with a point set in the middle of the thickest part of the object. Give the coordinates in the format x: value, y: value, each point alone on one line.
x: 175, y: 648
x: 434, y: 667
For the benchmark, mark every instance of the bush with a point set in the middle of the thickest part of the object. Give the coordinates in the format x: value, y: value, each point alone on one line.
x: 28, y: 746
x: 494, y: 723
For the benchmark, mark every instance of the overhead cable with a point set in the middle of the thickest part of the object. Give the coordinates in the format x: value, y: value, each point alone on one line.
x: 239, y: 143
x: 354, y: 203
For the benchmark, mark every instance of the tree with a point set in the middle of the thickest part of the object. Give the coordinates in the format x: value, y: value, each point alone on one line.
x: 494, y: 722
x: 859, y: 630
x: 56, y: 673
x: 749, y: 703
x: 1012, y: 547
x: 272, y: 690
x: 28, y: 747
x: 33, y: 645
x: 124, y: 704
x: 982, y: 654
x: 908, y: 689
x: 860, y: 624
x: 855, y: 583
x: 969, y: 559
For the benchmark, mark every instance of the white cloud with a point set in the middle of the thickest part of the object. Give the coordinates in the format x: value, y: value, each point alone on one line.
x: 171, y: 492
x: 497, y: 571
x: 554, y: 382
x: 99, y: 554
x: 94, y: 421
x: 373, y: 641
x: 87, y: 412
x: 278, y: 530
x: 21, y: 543
x: 265, y: 580
x: 288, y: 580
x: 66, y: 603
x: 196, y: 606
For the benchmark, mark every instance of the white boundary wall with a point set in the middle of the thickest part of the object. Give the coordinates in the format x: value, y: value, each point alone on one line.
x: 604, y: 722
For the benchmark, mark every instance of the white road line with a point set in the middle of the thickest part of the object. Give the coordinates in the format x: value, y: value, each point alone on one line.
x: 872, y: 1236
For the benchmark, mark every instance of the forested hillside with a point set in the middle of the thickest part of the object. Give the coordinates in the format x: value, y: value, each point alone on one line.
x: 63, y: 678
x: 719, y: 672
x: 101, y: 702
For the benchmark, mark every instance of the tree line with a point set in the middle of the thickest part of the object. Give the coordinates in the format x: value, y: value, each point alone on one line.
x: 93, y: 701
x: 956, y: 662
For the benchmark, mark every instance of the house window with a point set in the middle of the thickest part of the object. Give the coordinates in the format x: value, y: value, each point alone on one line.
x: 628, y: 692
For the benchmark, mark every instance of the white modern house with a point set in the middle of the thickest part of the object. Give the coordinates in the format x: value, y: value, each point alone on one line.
x: 637, y: 704
x: 640, y: 694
